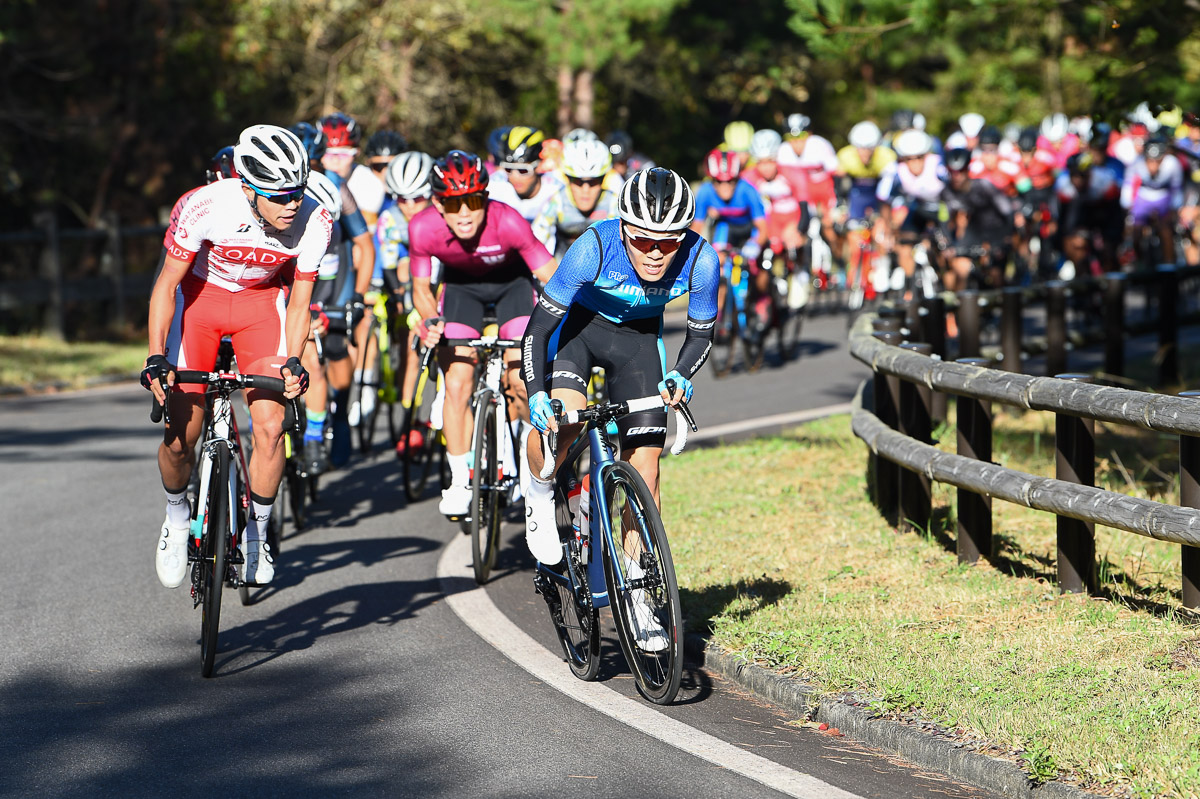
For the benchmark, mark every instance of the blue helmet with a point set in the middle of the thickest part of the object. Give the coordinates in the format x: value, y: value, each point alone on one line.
x: 312, y: 138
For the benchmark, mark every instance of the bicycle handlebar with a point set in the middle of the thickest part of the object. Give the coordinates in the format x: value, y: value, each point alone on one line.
x: 482, y: 341
x: 187, y: 376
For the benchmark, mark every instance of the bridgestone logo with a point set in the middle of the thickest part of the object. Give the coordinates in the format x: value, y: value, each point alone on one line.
x: 646, y: 431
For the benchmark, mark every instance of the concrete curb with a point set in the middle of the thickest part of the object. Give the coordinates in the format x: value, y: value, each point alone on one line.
x: 904, y: 740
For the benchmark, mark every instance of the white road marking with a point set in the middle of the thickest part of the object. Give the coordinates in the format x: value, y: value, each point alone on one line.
x: 479, y: 613
x: 779, y: 419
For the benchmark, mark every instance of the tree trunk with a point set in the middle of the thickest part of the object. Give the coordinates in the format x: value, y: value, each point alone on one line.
x: 566, y: 81
x: 585, y: 96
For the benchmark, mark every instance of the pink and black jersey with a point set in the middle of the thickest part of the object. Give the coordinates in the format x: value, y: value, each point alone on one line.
x: 504, y: 247
x: 219, y: 234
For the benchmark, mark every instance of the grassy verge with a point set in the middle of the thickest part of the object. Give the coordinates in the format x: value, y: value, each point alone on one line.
x: 31, y: 361
x: 782, y: 558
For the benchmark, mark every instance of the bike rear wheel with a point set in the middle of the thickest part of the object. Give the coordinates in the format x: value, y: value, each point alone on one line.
x: 485, y: 495
x: 641, y: 583
x: 419, y: 437
x: 213, y: 560
x: 726, y: 332
x: 368, y: 384
x: 394, y: 375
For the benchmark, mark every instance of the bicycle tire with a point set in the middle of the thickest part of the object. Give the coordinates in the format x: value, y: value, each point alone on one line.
x: 416, y: 460
x: 656, y: 672
x: 365, y: 429
x: 754, y: 341
x: 297, y: 496
x: 213, y: 560
x: 395, y: 359
x: 485, y: 498
x: 726, y: 332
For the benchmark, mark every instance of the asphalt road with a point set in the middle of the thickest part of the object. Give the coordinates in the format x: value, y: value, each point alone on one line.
x: 351, y: 675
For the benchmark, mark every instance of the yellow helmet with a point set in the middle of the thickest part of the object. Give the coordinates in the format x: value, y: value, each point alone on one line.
x: 523, y: 145
x: 738, y: 136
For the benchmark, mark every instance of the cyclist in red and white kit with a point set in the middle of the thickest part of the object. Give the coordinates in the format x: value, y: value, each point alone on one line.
x: 232, y: 244
x: 488, y: 252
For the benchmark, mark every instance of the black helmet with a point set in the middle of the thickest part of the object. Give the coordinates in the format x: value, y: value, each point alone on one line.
x: 1027, y: 141
x: 989, y: 135
x: 1079, y: 163
x: 221, y: 165
x: 312, y: 137
x: 522, y: 145
x: 958, y: 159
x: 1101, y: 136
x: 620, y: 144
x: 385, y: 143
x: 1156, y: 148
x: 495, y: 143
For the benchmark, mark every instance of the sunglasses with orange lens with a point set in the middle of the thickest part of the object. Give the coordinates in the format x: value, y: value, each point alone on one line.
x: 474, y: 202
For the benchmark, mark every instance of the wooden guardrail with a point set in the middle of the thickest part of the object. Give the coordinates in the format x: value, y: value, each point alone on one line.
x: 897, y: 428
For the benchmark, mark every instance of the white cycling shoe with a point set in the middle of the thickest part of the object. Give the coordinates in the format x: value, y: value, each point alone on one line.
x: 541, y: 530
x: 170, y: 557
x: 648, y: 632
x: 456, y: 501
x: 259, y: 568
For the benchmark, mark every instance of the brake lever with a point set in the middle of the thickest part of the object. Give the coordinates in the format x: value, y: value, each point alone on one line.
x: 550, y: 443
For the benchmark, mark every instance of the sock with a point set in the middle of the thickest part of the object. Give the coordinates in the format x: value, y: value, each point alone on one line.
x: 341, y: 398
x: 316, y: 425
x: 178, y: 512
x: 260, y: 515
x: 460, y: 469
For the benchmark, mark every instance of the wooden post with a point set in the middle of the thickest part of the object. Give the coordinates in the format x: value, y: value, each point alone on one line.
x: 50, y: 270
x: 1010, y: 330
x: 968, y: 323
x: 974, y: 441
x: 1168, y: 325
x: 1114, y: 324
x: 881, y: 325
x: 1189, y: 497
x: 1075, y: 462
x: 913, y: 319
x: 916, y: 499
x: 887, y: 404
x: 1056, y: 327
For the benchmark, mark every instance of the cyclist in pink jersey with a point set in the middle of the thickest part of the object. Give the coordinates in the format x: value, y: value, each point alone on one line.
x: 232, y: 241
x: 488, y: 252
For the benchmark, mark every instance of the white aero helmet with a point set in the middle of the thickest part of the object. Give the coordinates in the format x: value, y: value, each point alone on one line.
x: 865, y: 134
x: 1055, y: 127
x: 326, y: 193
x: 765, y: 145
x: 586, y: 158
x: 408, y: 175
x: 1147, y: 117
x: 970, y: 124
x: 912, y: 143
x: 579, y: 134
x: 658, y: 200
x: 270, y: 157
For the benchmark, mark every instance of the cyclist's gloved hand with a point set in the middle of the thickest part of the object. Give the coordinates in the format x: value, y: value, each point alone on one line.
x: 356, y: 310
x: 540, y: 411
x: 156, y: 366
x: 682, y: 384
x: 297, y: 371
x: 751, y: 250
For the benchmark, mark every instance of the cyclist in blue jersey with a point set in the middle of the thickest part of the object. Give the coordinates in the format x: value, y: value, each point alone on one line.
x: 604, y: 307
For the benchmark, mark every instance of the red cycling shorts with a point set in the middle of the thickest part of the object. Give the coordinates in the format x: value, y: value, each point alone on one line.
x: 253, y: 318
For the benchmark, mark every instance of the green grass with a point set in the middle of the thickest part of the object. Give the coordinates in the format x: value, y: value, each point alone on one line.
x: 31, y: 362
x: 782, y: 558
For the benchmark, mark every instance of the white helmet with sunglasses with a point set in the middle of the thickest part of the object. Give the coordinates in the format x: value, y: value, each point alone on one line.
x: 658, y: 200
x: 269, y: 157
x: 325, y: 192
x: 408, y: 176
x: 586, y: 158
x: 765, y: 145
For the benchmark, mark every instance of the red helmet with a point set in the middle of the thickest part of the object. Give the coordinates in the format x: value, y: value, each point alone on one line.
x: 340, y: 130
x: 458, y: 173
x: 724, y: 164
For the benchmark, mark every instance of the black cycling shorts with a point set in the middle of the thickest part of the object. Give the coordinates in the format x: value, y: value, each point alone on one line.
x: 336, y: 347
x: 465, y: 303
x: 631, y: 355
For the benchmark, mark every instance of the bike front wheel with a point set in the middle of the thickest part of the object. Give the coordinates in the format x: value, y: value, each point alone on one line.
x: 213, y: 561
x: 485, y: 493
x: 642, y: 588
x: 418, y: 438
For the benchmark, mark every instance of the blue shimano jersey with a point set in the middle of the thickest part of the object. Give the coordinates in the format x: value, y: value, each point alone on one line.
x: 742, y: 209
x: 596, y: 273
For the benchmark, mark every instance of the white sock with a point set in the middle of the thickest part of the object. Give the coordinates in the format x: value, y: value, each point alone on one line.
x: 460, y: 469
x: 178, y: 512
x: 256, y: 525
